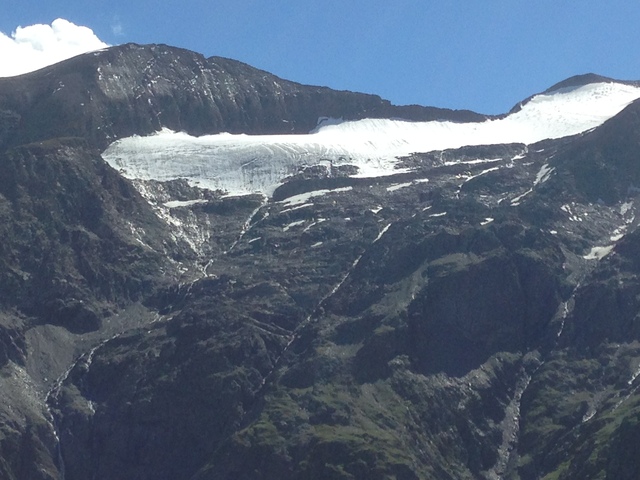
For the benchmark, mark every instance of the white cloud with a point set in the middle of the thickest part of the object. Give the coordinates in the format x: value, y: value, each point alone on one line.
x: 37, y: 46
x: 116, y: 27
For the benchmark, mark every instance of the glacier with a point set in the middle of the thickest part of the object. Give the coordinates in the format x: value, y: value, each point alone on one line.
x: 241, y: 164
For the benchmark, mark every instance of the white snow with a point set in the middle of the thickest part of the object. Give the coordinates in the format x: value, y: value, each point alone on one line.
x: 598, y: 253
x: 635, y: 375
x: 313, y: 224
x: 298, y: 207
x: 382, y: 232
x: 543, y: 175
x: 618, y: 233
x: 288, y: 227
x: 398, y: 186
x: 516, y: 201
x: 246, y: 226
x: 304, y: 197
x: 486, y: 221
x: 471, y: 162
x: 259, y: 163
x: 483, y: 172
x: 183, y: 203
x: 572, y: 216
x: 625, y: 207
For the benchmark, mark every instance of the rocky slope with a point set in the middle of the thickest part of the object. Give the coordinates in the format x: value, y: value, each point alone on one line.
x: 473, y: 315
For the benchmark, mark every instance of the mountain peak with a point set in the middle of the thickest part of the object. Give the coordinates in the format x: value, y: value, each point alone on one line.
x: 573, y: 82
x: 584, y: 79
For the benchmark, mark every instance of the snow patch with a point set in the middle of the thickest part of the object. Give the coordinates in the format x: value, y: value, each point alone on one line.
x: 635, y: 375
x: 304, y: 197
x: 572, y: 216
x: 298, y: 207
x: 625, y: 207
x: 471, y: 162
x: 288, y: 227
x: 382, y: 232
x: 398, y: 186
x: 543, y: 175
x: 597, y: 253
x: 313, y: 224
x: 516, y: 201
x: 483, y: 172
x: 618, y: 233
x: 183, y: 203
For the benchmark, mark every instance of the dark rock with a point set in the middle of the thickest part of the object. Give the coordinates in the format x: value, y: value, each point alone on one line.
x: 66, y: 252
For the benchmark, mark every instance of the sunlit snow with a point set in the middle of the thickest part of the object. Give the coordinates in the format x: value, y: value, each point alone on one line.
x: 543, y: 175
x: 258, y: 163
x: 597, y: 253
x: 293, y: 224
x: 183, y: 203
x: 398, y: 186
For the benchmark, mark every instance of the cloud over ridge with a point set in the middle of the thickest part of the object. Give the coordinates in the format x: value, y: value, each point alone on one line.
x: 37, y: 46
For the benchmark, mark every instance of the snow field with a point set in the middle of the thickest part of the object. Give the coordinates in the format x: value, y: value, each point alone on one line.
x: 241, y: 164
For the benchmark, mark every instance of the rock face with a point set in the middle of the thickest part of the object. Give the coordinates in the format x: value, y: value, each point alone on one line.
x: 75, y: 234
x: 482, y: 324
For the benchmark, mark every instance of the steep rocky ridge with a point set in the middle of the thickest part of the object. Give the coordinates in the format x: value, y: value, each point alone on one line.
x: 133, y: 89
x: 474, y: 316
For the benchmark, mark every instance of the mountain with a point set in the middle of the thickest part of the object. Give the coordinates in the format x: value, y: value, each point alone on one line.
x: 209, y: 272
x: 133, y: 89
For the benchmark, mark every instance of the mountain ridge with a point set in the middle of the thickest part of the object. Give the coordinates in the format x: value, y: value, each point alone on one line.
x: 213, y: 106
x: 470, y: 314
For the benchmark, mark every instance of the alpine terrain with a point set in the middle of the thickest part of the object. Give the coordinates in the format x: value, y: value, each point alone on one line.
x: 208, y: 272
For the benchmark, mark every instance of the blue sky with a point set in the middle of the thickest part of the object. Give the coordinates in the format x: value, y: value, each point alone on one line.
x: 485, y: 56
